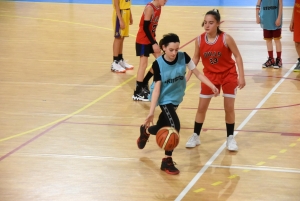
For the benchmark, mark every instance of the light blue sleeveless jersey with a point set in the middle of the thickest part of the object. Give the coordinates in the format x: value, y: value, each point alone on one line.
x: 269, y: 10
x: 173, y: 82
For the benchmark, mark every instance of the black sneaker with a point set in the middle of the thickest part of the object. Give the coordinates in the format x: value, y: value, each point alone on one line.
x: 146, y: 89
x: 278, y: 63
x: 297, y: 68
x: 167, y: 165
x: 142, y: 140
x: 269, y: 63
x: 142, y: 95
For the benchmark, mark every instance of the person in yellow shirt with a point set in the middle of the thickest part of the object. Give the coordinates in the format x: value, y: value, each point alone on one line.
x: 122, y: 18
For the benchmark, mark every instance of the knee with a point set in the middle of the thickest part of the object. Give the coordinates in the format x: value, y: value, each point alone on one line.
x: 229, y: 110
x: 297, y: 44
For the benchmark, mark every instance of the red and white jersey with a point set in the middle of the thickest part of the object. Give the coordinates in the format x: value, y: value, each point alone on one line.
x: 141, y: 37
x: 216, y: 56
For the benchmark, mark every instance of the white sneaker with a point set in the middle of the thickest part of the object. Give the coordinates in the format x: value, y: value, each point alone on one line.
x: 115, y: 67
x: 125, y: 65
x: 193, y: 141
x: 231, y: 143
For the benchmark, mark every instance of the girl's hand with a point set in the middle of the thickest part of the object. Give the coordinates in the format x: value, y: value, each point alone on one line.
x: 156, y: 48
x: 131, y: 20
x: 257, y: 20
x: 149, y: 120
x: 215, y: 90
x: 122, y: 24
x: 278, y: 22
x: 241, y: 82
x: 292, y: 26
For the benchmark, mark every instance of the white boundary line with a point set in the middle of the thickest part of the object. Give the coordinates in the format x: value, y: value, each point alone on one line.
x: 222, y: 147
x: 284, y: 170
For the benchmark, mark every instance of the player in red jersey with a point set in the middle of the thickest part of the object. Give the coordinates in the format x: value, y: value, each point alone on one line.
x: 215, y: 48
x: 145, y: 45
x: 295, y: 27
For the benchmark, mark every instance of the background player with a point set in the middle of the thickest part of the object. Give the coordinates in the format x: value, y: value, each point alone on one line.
x: 145, y: 45
x: 122, y: 17
x: 269, y: 15
x: 295, y: 27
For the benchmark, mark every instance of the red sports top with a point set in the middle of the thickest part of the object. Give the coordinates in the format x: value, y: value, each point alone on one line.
x: 141, y: 37
x: 215, y: 56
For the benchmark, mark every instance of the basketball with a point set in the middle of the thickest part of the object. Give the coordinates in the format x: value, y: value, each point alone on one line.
x: 167, y: 138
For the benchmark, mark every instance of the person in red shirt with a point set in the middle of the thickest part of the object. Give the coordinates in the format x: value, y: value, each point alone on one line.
x: 215, y: 49
x: 145, y: 45
x: 295, y: 27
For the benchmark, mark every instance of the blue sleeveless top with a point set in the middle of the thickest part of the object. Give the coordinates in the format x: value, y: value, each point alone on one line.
x: 268, y: 14
x: 173, y: 82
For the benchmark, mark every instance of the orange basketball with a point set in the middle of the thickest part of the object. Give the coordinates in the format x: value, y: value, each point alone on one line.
x: 167, y: 138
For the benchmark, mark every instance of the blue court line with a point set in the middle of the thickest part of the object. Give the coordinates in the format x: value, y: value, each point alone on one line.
x: 170, y: 2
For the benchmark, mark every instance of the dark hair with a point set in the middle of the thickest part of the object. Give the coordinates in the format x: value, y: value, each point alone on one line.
x: 217, y: 16
x: 168, y: 38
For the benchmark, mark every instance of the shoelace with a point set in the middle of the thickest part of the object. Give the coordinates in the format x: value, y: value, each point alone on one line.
x: 193, y: 138
x: 172, y: 164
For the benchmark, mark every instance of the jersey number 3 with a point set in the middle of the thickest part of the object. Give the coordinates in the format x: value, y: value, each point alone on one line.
x: 213, y: 60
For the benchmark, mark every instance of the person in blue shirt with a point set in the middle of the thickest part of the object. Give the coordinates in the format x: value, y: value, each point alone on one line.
x: 269, y: 16
x: 167, y: 91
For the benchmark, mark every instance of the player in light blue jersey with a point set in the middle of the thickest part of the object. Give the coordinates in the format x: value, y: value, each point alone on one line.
x: 167, y: 91
x: 269, y: 16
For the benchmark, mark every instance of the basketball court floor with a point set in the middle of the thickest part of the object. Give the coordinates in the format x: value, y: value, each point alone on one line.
x: 68, y: 125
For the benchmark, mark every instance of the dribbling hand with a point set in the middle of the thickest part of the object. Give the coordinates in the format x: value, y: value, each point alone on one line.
x: 149, y: 120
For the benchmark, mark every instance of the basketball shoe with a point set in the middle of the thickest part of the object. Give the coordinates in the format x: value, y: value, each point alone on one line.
x: 168, y: 166
x: 142, y: 140
x: 231, y: 143
x: 297, y: 68
x: 146, y: 89
x: 193, y: 141
x: 278, y: 63
x: 117, y: 68
x: 269, y: 63
x: 125, y: 65
x: 142, y: 95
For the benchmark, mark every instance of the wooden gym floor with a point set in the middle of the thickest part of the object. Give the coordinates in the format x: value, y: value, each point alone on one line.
x: 68, y: 126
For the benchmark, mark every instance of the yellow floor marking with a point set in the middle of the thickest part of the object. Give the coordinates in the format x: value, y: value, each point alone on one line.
x: 282, y: 151
x: 261, y: 163
x: 298, y: 139
x: 293, y: 144
x: 233, y: 176
x: 189, y: 86
x: 199, y: 190
x: 272, y: 157
x: 51, y: 20
x: 216, y: 183
x: 81, y: 109
x: 246, y: 170
x: 72, y: 114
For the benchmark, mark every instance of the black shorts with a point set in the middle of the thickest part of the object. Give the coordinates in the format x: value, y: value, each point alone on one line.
x: 143, y: 50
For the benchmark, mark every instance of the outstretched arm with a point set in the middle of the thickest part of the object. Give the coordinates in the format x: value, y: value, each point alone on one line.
x: 205, y: 80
